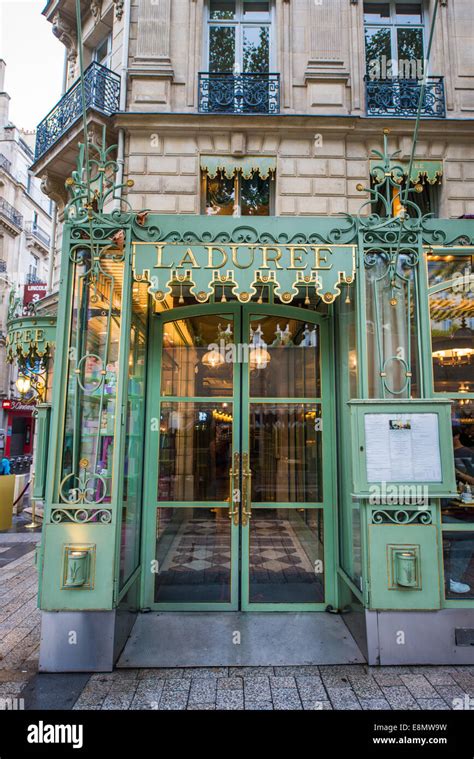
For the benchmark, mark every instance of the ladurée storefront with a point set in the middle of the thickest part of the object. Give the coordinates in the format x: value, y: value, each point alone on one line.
x: 257, y: 417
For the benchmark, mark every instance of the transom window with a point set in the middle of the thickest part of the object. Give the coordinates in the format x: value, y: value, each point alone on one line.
x: 394, y: 40
x: 237, y: 195
x: 239, y: 36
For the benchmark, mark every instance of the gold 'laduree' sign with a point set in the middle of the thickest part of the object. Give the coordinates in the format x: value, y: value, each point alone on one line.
x: 244, y: 267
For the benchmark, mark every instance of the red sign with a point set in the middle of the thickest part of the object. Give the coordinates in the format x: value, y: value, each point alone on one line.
x: 12, y: 405
x: 33, y: 293
x: 6, y: 404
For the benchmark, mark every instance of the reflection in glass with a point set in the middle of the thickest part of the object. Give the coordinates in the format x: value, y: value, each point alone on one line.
x: 374, y: 12
x: 221, y: 49
x: 256, y: 49
x: 377, y: 49
x: 255, y: 196
x: 193, y: 551
x: 220, y: 195
x: 190, y: 365
x: 286, y: 556
x: 286, y: 452
x: 410, y: 53
x: 222, y: 10
x: 194, y: 451
x: 458, y: 550
x: 292, y: 368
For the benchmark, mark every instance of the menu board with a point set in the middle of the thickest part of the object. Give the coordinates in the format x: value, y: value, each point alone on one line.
x: 402, y: 447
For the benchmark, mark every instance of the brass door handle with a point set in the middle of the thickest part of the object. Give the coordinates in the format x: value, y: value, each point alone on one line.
x: 246, y: 490
x: 233, y: 479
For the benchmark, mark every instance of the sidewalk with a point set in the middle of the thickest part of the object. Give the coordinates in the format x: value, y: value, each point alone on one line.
x: 262, y: 688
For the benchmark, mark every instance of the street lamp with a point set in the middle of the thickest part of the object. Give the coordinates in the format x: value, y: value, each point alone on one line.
x: 23, y: 384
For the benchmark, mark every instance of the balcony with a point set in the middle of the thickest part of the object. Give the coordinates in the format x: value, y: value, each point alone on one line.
x: 398, y: 98
x: 102, y: 91
x: 5, y: 164
x: 239, y: 93
x: 33, y: 230
x: 11, y: 216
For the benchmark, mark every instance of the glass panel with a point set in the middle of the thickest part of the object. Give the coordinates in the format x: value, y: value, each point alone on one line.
x: 452, y: 339
x: 220, y: 196
x: 410, y: 53
x: 194, y: 357
x: 378, y: 52
x: 286, y: 452
x: 134, y: 437
x: 408, y: 13
x: 374, y: 12
x: 221, y: 49
x: 444, y: 268
x: 283, y: 358
x: 256, y: 49
x: 92, y: 379
x: 458, y: 549
x: 195, y: 451
x: 222, y: 9
x: 286, y: 556
x: 193, y: 551
x: 391, y: 328
x: 256, y: 10
x: 255, y: 196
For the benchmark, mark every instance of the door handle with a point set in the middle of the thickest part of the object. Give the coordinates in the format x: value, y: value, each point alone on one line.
x: 233, y: 478
x: 246, y: 490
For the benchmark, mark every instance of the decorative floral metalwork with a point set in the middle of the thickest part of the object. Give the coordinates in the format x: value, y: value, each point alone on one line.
x: 81, y: 515
x: 239, y: 93
x: 402, y: 516
x: 102, y: 91
x: 399, y: 98
x: 85, y: 488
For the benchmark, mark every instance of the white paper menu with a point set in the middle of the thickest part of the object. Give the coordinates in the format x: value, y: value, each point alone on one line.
x: 402, y: 448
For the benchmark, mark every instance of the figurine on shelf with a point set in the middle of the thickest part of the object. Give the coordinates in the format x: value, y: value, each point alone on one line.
x: 282, y: 337
x: 310, y: 338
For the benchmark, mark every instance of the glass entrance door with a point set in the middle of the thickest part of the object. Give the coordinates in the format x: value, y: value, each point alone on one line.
x: 238, y: 495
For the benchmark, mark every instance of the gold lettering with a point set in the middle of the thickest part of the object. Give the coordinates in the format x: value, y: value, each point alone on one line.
x: 210, y: 251
x: 188, y: 260
x: 266, y: 249
x: 296, y: 258
x: 159, y: 258
x: 235, y: 261
x: 320, y: 259
x: 28, y: 337
x: 39, y: 335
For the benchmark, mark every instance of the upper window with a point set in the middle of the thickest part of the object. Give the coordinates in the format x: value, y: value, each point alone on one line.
x: 238, y: 195
x: 103, y: 52
x: 239, y: 37
x: 394, y: 40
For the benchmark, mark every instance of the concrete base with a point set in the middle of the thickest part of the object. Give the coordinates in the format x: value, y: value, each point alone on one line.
x: 196, y: 639
x: 82, y: 641
x: 419, y: 637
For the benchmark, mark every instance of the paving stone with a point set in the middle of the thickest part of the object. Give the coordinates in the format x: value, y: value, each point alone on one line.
x: 250, y: 671
x: 375, y: 704
x: 432, y: 703
x: 142, y: 703
x: 257, y: 688
x: 173, y: 701
x: 203, y: 691
x: 448, y: 692
x: 311, y: 687
x: 230, y: 683
x: 419, y: 686
x: 399, y: 697
x: 201, y: 707
x: 387, y: 679
x: 439, y: 678
x: 317, y: 705
x: 229, y: 700
x: 205, y: 672
x: 260, y: 706
x: 117, y: 701
x: 304, y: 669
x: 165, y: 673
x: 343, y: 698
x: 365, y: 687
x: 280, y: 681
x: 176, y: 686
x: 286, y: 698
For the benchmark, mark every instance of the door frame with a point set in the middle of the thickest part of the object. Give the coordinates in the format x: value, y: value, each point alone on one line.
x: 241, y: 401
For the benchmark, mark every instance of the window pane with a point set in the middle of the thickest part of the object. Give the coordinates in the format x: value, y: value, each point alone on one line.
x: 283, y: 358
x: 256, y: 49
x: 220, y: 196
x: 452, y: 337
x: 378, y: 51
x: 410, y: 53
x: 444, y: 268
x: 221, y: 49
x: 374, y: 12
x: 408, y: 13
x: 256, y: 10
x: 255, y: 196
x: 286, y: 452
x: 195, y: 451
x: 458, y: 549
x: 193, y: 551
x: 222, y: 10
x: 190, y: 366
x: 286, y: 556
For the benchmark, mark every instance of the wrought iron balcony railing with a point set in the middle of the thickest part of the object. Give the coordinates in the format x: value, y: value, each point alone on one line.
x: 102, y: 90
x: 239, y: 93
x: 399, y: 98
x: 40, y: 234
x: 5, y: 164
x: 11, y: 213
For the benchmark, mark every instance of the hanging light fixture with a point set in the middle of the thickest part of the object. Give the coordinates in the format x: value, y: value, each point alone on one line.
x: 213, y: 358
x: 23, y: 384
x: 457, y: 349
x: 259, y: 357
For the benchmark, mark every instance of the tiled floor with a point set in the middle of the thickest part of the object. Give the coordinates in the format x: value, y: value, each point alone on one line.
x: 261, y: 688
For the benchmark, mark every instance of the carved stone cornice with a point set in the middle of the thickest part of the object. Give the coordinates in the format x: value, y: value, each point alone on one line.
x: 64, y: 31
x: 95, y: 8
x: 119, y: 8
x: 54, y: 188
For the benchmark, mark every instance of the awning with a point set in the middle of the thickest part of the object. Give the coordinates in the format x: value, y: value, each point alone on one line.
x: 247, y: 166
x: 422, y: 170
